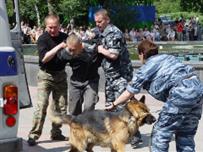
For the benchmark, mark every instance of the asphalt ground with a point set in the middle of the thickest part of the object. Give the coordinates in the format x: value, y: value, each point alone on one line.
x: 47, y: 145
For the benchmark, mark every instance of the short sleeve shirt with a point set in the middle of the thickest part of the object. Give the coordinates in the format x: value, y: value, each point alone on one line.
x: 113, y: 40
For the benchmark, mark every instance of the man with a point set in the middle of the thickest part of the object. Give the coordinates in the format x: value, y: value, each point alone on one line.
x: 116, y: 62
x: 84, y: 81
x: 51, y: 79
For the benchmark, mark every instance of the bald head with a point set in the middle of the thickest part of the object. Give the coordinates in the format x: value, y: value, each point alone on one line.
x: 73, y: 39
x: 102, y: 19
x: 74, y: 44
x: 52, y: 25
x: 102, y: 12
x: 51, y: 17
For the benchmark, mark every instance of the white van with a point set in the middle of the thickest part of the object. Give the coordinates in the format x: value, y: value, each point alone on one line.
x: 14, y: 93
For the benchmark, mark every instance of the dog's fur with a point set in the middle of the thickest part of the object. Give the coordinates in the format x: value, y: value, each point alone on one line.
x: 107, y: 129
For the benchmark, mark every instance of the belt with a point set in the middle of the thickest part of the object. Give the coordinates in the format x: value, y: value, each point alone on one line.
x: 52, y: 72
x: 188, y: 76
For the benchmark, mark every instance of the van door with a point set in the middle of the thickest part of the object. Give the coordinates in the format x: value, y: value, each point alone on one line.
x: 24, y: 94
x: 16, y: 38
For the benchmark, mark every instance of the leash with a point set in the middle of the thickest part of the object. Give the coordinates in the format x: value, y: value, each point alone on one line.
x: 150, y: 140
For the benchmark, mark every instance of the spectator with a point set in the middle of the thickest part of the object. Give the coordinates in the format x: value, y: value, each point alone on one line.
x: 127, y: 35
x: 171, y: 34
x: 179, y: 30
x: 38, y: 33
x: 133, y: 35
x: 26, y: 33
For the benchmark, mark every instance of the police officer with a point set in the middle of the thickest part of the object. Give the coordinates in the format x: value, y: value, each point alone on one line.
x: 116, y: 63
x: 177, y: 85
x: 51, y: 79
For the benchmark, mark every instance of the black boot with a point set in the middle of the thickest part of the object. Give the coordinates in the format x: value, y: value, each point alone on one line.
x: 31, y: 142
x: 59, y: 137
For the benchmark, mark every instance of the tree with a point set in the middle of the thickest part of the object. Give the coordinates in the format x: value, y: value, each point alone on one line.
x: 50, y: 7
x: 167, y: 6
x: 78, y: 9
x: 37, y: 13
x: 192, y: 5
x: 72, y: 9
x: 30, y: 15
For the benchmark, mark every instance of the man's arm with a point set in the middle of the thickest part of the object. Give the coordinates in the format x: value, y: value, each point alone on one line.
x: 50, y: 54
x: 109, y: 53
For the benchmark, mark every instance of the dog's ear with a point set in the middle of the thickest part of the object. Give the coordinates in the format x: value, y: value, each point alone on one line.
x: 142, y: 99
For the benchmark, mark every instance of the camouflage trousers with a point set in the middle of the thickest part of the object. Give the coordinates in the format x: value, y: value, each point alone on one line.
x: 183, y: 126
x: 180, y: 116
x: 49, y: 83
x: 114, y: 88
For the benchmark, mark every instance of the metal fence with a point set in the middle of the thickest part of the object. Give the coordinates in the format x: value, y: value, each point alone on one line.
x: 184, y: 50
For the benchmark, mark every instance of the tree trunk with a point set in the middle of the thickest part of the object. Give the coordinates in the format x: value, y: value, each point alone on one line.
x: 38, y: 16
x: 50, y: 8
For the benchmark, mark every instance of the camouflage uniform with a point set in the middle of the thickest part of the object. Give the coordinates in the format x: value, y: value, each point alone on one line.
x: 177, y: 85
x: 117, y: 72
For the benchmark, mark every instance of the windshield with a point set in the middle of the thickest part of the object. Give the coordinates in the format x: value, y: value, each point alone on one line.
x: 11, y: 13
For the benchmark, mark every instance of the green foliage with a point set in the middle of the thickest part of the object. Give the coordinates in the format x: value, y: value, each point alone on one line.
x: 28, y: 13
x: 71, y: 9
x: 10, y: 11
x: 173, y: 6
x: 109, y: 3
x: 78, y: 9
x: 167, y: 6
x: 122, y: 16
x: 68, y: 9
x: 9, y: 6
x: 192, y: 5
x: 178, y: 8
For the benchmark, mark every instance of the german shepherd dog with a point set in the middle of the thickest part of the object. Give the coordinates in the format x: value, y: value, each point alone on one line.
x: 104, y: 128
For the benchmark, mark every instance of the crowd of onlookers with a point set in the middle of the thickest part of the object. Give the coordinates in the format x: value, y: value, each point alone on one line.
x: 179, y: 30
x: 30, y: 35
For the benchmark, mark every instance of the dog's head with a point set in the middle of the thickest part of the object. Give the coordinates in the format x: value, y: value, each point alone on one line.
x: 140, y: 111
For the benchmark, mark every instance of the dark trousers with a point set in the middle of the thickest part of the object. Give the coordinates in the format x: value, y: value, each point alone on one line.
x: 83, y: 96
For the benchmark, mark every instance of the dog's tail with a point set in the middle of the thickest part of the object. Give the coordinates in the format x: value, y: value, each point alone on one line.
x: 57, y: 117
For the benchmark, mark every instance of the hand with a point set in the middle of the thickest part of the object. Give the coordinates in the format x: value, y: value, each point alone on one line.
x: 100, y: 48
x: 109, y: 106
x: 91, y: 35
x: 62, y: 45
